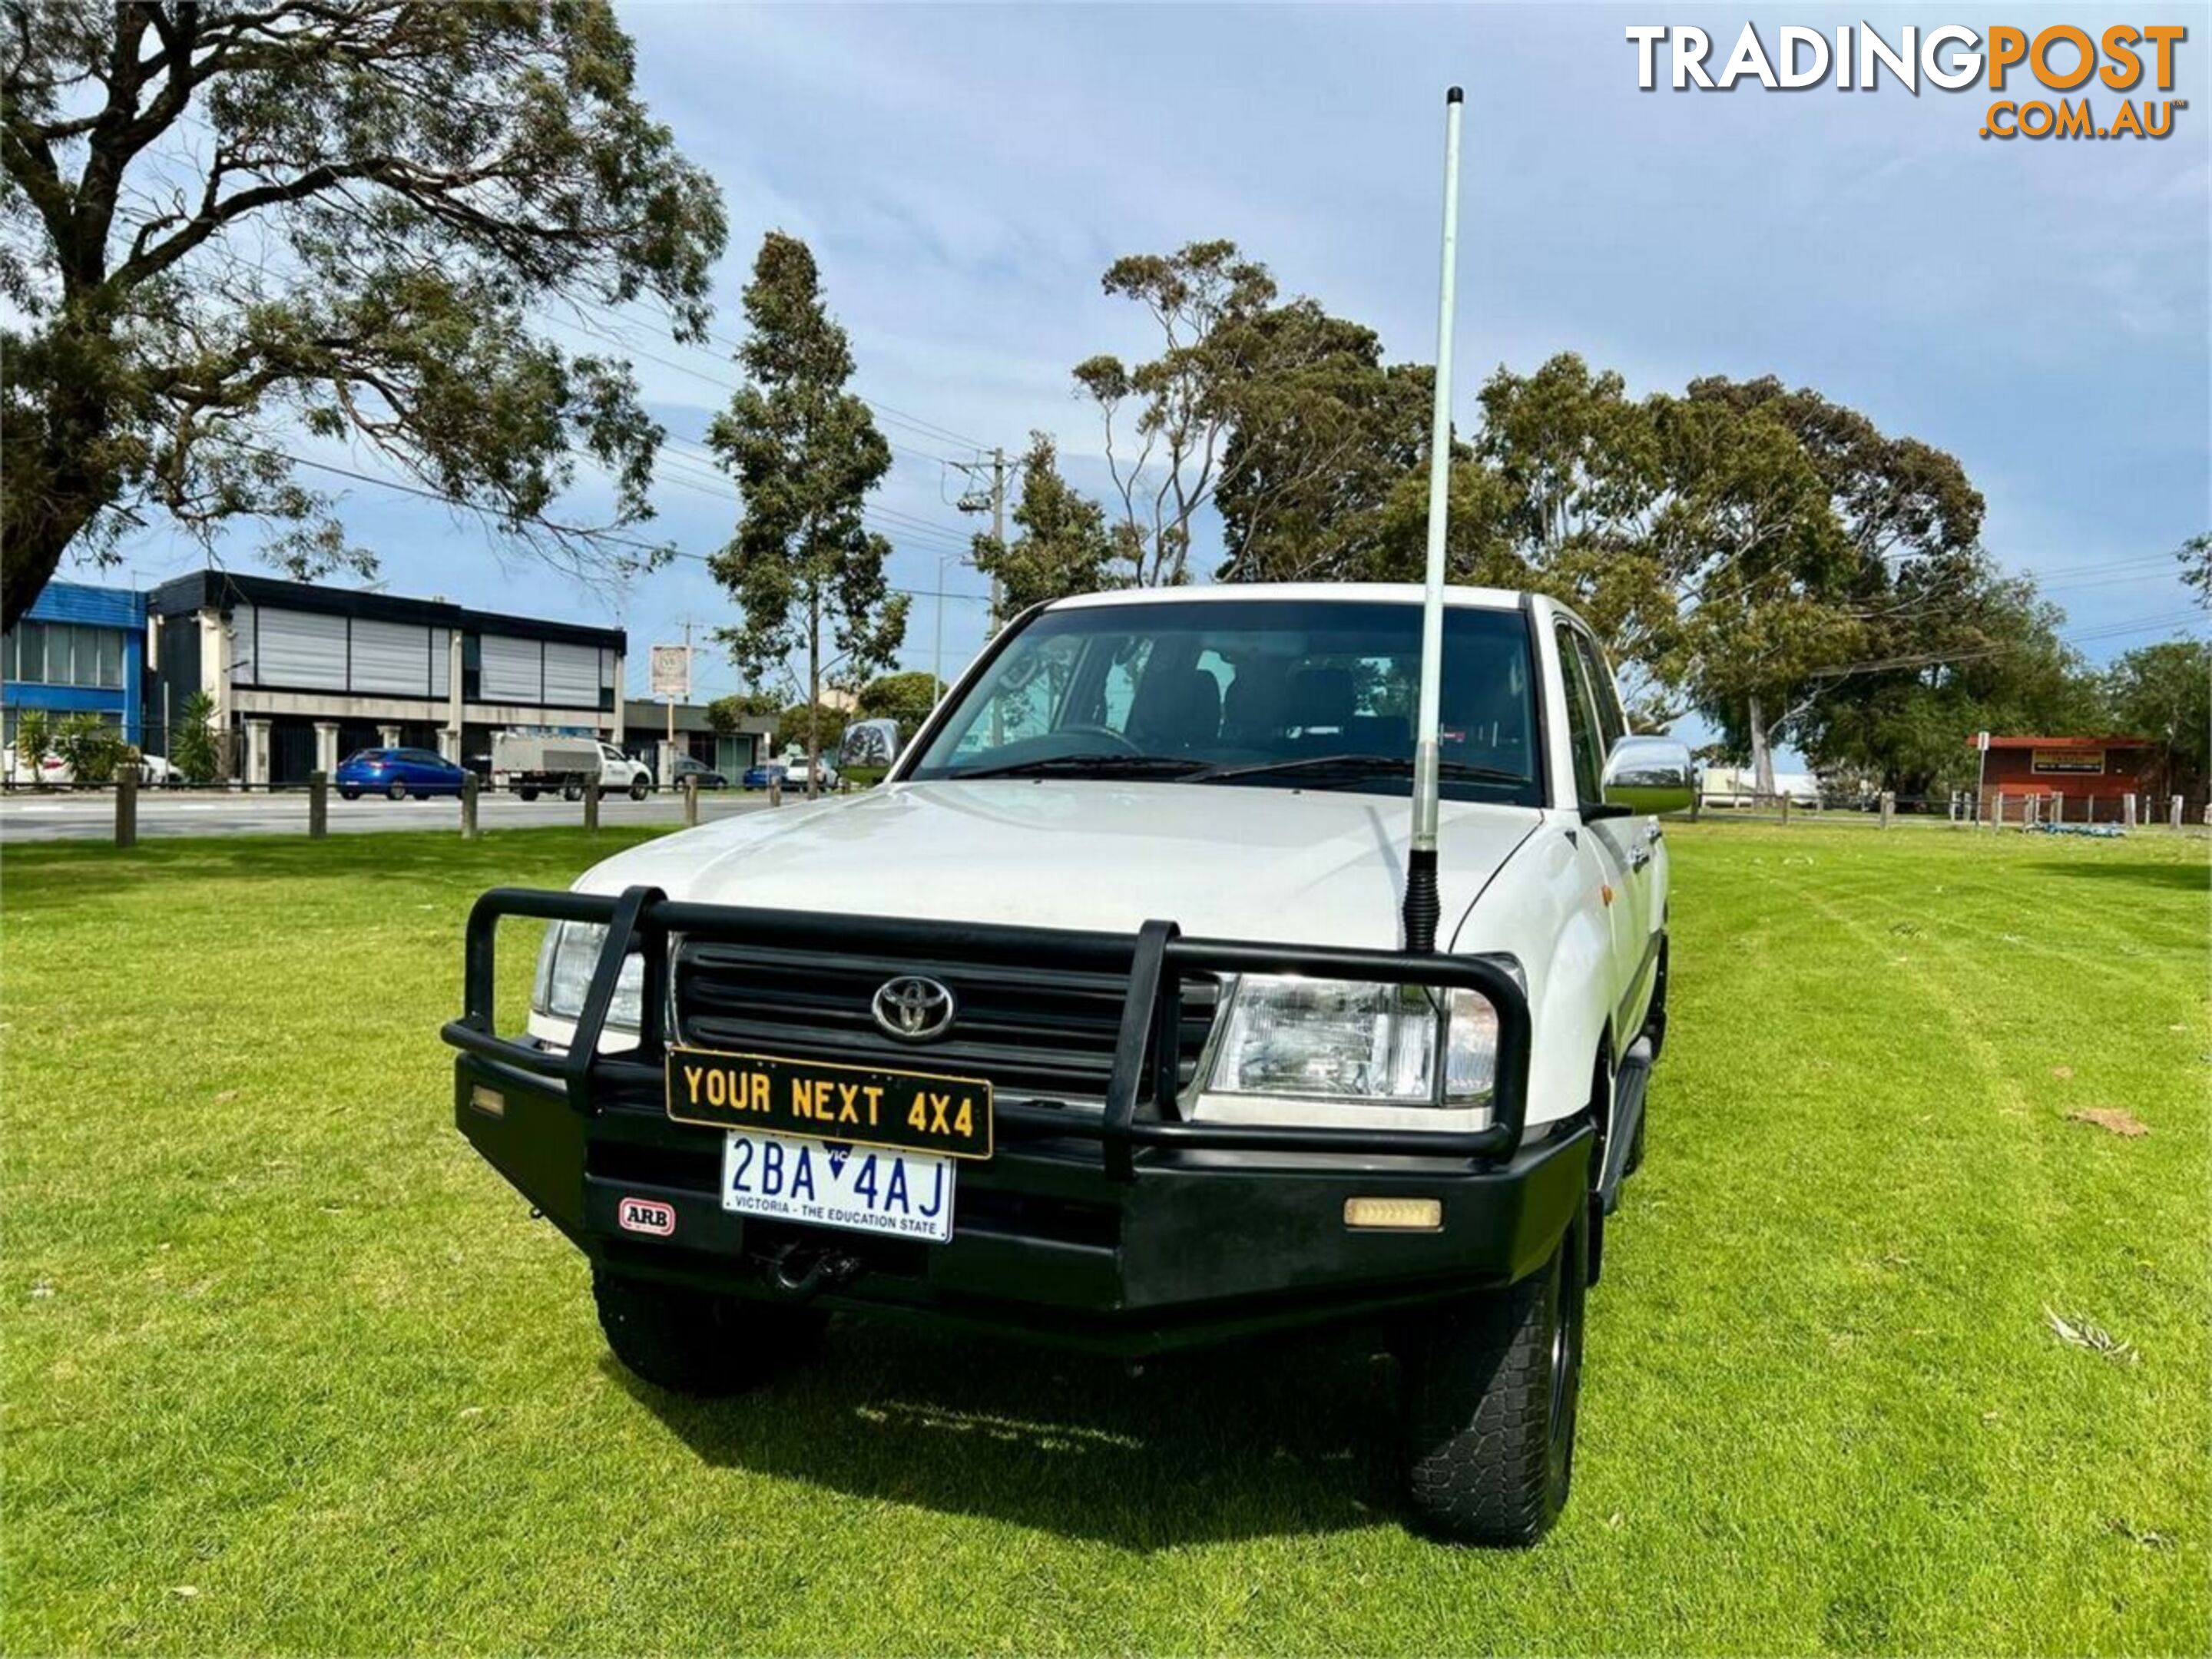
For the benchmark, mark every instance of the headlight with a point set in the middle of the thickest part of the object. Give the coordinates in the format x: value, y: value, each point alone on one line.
x: 565, y: 963
x: 1334, y: 1039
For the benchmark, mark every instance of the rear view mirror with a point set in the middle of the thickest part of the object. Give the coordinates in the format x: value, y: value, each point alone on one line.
x: 1648, y: 774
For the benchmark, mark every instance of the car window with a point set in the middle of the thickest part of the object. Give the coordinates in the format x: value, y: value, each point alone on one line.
x: 1022, y: 699
x: 1584, y: 736
x: 1611, y: 722
x: 1239, y: 684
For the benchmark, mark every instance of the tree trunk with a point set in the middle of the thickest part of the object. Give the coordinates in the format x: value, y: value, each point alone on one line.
x: 51, y: 501
x: 813, y: 696
x: 1762, y: 755
x: 33, y: 552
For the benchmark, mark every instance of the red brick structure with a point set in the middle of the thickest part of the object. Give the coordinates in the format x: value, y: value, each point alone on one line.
x: 2090, y: 775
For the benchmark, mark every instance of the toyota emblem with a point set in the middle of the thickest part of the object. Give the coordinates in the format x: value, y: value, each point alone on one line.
x: 914, y: 1009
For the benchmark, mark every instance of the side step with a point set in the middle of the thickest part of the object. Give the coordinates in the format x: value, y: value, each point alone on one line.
x: 1630, y: 1080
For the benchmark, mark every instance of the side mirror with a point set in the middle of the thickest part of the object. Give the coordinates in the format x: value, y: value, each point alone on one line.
x: 868, y: 750
x: 1650, y: 774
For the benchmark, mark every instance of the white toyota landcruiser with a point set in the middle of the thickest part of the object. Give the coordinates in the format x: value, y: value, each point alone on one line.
x: 1106, y: 1020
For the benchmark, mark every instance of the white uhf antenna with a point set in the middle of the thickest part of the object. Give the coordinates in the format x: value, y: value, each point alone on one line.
x: 1421, y: 903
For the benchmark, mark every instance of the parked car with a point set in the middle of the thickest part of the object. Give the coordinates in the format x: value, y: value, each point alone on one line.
x: 48, y: 771
x: 687, y: 769
x: 156, y: 773
x: 1146, y: 955
x: 397, y: 774
x: 762, y: 774
x: 796, y: 773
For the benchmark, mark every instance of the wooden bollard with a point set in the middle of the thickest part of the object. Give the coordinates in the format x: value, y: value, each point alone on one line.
x: 2173, y: 812
x: 470, y: 783
x: 1888, y: 806
x: 691, y: 801
x: 592, y: 806
x: 319, y: 805
x: 126, y: 804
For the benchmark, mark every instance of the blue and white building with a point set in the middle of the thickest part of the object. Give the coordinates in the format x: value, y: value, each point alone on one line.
x: 79, y: 650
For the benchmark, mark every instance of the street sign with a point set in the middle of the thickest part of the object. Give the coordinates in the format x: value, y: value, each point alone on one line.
x: 671, y: 672
x: 1982, y: 741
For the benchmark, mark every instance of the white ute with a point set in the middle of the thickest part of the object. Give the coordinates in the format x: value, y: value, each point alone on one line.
x: 531, y: 763
x: 1334, y: 1127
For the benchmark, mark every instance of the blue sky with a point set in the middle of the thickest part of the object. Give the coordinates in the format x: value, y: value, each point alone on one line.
x: 965, y: 174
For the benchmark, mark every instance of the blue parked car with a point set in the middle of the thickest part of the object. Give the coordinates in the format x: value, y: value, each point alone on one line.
x: 397, y: 773
x: 758, y: 777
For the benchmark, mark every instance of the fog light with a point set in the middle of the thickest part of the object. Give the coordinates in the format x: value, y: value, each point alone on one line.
x: 1405, y: 1215
x: 489, y: 1101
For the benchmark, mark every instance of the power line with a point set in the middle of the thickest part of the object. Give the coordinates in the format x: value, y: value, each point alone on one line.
x: 618, y: 336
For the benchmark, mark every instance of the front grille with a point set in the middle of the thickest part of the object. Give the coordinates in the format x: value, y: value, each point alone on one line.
x: 1033, y: 1030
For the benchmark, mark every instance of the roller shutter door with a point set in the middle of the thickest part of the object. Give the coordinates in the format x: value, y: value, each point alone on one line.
x: 513, y: 670
x: 572, y: 676
x: 298, y: 648
x: 390, y: 657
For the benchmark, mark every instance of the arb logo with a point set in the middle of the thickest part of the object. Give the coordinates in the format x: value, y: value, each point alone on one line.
x: 642, y: 1215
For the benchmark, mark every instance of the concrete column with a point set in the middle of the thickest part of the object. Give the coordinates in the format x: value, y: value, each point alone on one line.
x: 456, y: 725
x: 2057, y: 806
x: 388, y: 736
x: 621, y: 713
x: 257, y: 753
x: 2173, y: 812
x: 2128, y: 810
x: 216, y: 650
x: 1996, y: 808
x: 1888, y: 806
x: 327, y: 746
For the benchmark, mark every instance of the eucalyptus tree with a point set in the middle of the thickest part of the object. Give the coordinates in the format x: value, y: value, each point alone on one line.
x: 231, y: 224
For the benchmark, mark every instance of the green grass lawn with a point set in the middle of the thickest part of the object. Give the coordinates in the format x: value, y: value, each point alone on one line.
x: 287, y: 1369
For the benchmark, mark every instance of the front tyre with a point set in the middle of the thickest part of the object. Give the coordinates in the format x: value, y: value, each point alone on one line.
x: 396, y: 792
x: 695, y: 1342
x: 637, y: 788
x: 1492, y: 1385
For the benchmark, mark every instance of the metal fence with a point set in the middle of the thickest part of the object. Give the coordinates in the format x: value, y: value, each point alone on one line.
x: 2025, y: 809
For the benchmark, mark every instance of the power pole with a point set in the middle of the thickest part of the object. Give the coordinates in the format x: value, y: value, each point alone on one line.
x: 996, y: 501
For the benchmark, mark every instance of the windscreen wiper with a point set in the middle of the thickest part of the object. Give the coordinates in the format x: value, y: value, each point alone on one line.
x: 1349, y: 767
x: 1128, y: 766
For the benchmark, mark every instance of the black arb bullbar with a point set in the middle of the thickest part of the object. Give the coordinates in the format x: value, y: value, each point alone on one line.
x: 1130, y: 1228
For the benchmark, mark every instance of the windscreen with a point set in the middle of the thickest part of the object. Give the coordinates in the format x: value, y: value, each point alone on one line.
x: 1300, y: 694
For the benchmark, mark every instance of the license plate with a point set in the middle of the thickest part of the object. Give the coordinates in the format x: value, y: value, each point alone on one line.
x: 832, y: 1183
x: 868, y: 1106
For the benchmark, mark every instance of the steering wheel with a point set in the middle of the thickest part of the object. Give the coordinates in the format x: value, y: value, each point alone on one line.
x: 1120, y: 743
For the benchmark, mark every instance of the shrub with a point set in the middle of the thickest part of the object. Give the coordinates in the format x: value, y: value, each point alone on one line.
x: 93, y: 748
x: 192, y: 748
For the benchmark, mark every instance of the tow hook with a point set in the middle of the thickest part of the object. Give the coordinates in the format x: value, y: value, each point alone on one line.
x: 801, y: 1272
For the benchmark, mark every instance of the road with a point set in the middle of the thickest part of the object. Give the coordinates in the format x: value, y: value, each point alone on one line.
x: 91, y: 815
